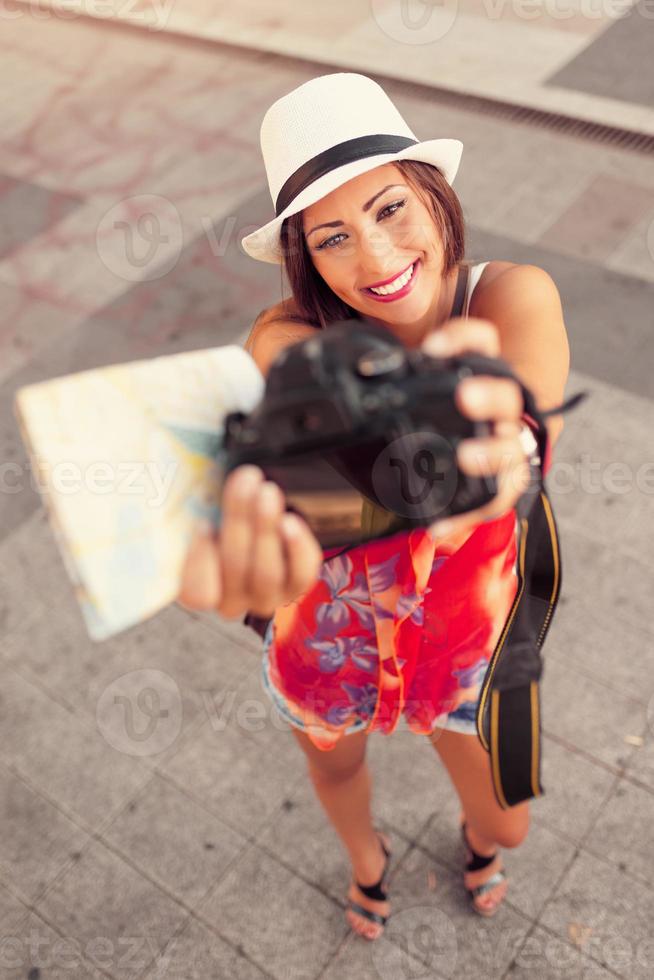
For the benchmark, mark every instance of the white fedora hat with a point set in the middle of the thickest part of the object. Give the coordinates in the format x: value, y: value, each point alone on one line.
x: 333, y: 128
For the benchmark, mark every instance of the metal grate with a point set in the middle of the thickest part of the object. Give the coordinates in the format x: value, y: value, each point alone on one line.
x: 627, y: 139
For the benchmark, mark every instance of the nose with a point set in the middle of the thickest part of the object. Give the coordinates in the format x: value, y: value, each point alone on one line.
x: 378, y: 255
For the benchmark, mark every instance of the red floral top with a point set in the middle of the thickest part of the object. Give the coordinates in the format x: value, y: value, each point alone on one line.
x: 400, y: 625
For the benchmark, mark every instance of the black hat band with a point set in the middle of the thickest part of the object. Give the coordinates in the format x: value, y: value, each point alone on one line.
x: 337, y: 156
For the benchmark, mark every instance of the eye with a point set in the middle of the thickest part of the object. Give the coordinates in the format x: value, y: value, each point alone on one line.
x: 396, y: 204
x: 332, y: 241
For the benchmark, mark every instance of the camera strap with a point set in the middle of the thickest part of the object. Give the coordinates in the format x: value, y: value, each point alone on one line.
x: 508, y: 712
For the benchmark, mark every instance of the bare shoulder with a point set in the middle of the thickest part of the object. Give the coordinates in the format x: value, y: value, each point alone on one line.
x: 275, y: 328
x: 504, y: 285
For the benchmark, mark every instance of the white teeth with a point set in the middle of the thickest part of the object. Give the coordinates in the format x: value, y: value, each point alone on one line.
x: 392, y: 287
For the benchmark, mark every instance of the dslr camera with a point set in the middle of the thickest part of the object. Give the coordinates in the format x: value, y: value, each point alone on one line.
x: 361, y: 432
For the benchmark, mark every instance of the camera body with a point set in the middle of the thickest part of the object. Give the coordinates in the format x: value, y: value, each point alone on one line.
x: 353, y: 408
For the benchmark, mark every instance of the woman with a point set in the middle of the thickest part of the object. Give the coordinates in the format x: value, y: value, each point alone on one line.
x: 367, y: 224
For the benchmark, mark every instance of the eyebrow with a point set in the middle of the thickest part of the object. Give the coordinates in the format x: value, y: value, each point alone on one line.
x: 366, y: 207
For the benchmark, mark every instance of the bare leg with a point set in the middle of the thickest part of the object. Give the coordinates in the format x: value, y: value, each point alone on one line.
x: 342, y: 783
x: 487, y: 824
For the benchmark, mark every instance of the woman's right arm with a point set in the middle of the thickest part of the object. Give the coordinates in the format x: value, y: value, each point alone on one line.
x: 271, y: 333
x: 261, y: 557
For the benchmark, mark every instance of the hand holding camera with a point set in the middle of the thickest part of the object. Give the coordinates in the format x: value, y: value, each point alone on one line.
x: 254, y: 563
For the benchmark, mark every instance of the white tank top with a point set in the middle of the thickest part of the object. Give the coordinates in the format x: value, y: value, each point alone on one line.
x: 473, y: 278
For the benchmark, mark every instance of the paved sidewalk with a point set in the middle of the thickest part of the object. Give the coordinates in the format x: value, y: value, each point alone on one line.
x: 155, y: 818
x: 590, y: 59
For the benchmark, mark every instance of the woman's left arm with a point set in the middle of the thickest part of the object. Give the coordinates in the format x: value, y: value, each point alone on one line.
x: 524, y: 305
x: 518, y: 318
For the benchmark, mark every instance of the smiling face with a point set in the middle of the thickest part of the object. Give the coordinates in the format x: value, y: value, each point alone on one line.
x: 377, y: 231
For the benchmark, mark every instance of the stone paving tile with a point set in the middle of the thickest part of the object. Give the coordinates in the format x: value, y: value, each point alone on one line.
x: 603, y: 469
x: 29, y: 323
x: 594, y: 224
x: 433, y: 922
x: 617, y: 578
x: 104, y: 904
x: 28, y: 210
x: 616, y: 64
x: 575, y: 789
x: 597, y: 302
x: 200, y: 664
x: 36, y: 950
x: 383, y: 959
x: 411, y: 783
x: 248, y: 709
x: 589, y: 715
x: 245, y: 637
x: 608, y: 909
x: 38, y: 582
x: 533, y: 868
x: 623, y: 832
x: 36, y: 840
x: 174, y: 841
x: 197, y: 953
x: 588, y: 637
x: 69, y: 762
x: 300, y: 835
x: 291, y: 928
x: 240, y: 780
x: 12, y: 912
x: 546, y: 957
x: 634, y: 256
x: 58, y: 654
x: 640, y: 764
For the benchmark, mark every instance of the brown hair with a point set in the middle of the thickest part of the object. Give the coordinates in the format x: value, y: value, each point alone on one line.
x: 315, y: 302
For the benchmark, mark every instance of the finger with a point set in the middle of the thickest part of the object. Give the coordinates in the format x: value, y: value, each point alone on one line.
x: 456, y: 336
x: 237, y: 536
x: 502, y: 458
x: 483, y: 397
x: 454, y: 525
x: 200, y: 584
x: 267, y: 576
x: 305, y: 556
x: 479, y: 457
x: 505, y: 429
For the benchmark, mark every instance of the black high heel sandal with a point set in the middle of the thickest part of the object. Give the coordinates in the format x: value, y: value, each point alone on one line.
x: 375, y: 892
x: 475, y: 863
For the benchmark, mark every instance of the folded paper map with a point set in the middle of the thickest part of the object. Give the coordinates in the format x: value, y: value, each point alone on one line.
x: 127, y: 459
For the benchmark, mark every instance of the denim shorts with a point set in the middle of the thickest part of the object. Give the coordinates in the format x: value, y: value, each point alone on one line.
x: 461, y: 720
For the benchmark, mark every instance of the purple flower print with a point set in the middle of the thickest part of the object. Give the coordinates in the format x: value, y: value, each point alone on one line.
x: 338, y: 713
x: 363, y: 697
x: 411, y: 600
x: 335, y: 651
x: 382, y: 575
x: 334, y: 616
x: 472, y: 676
